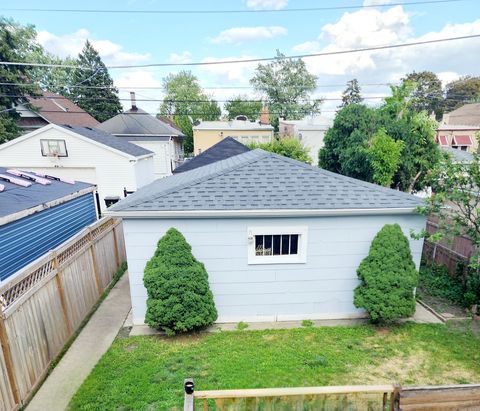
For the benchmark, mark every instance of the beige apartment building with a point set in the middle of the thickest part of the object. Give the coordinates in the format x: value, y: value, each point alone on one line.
x: 208, y: 133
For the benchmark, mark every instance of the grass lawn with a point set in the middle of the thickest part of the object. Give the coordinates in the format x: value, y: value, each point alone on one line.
x: 147, y: 373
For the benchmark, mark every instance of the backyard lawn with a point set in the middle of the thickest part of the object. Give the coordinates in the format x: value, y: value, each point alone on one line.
x: 147, y: 373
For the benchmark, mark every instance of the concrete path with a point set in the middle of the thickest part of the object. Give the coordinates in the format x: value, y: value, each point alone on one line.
x: 423, y: 316
x: 90, y: 345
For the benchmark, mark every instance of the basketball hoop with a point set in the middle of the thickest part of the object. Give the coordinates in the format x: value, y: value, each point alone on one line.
x: 54, y: 157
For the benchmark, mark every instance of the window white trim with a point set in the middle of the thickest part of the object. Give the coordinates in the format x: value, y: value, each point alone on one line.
x: 299, y: 258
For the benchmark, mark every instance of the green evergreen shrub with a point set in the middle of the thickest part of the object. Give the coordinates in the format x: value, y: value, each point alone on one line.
x: 179, y: 296
x: 388, y: 277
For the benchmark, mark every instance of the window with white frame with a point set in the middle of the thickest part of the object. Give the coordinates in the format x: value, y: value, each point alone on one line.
x: 277, y: 245
x: 53, y: 148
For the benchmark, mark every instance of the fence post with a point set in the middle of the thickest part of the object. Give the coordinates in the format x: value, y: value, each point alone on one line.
x: 115, y: 242
x: 395, y: 398
x: 61, y: 292
x: 94, y: 262
x: 188, y: 402
x: 7, y: 354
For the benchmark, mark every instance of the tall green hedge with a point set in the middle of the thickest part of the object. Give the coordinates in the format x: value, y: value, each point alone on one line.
x: 179, y: 296
x: 388, y: 277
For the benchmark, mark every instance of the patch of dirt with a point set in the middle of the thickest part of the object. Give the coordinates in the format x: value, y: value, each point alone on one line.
x: 442, y: 305
x: 131, y: 347
x: 419, y: 368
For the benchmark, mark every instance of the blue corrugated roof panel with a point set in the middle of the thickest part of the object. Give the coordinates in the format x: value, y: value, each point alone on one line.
x: 24, y: 240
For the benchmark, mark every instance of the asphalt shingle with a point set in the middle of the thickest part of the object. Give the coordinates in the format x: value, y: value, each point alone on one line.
x: 259, y: 180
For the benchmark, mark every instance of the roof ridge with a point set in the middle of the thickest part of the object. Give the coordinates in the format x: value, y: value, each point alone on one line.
x: 259, y: 154
x: 343, y: 178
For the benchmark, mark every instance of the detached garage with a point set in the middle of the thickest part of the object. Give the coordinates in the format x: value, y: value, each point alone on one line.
x: 280, y: 240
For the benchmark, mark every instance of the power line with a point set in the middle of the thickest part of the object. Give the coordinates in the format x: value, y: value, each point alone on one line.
x: 255, y: 60
x: 289, y: 10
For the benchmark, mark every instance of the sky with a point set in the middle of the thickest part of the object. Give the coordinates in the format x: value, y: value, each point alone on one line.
x: 129, y: 38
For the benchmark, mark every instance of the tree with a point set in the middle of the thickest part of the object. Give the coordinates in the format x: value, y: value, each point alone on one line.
x: 351, y: 95
x: 287, y: 147
x: 241, y: 105
x: 427, y: 92
x: 462, y: 91
x: 54, y: 79
x: 186, y: 102
x: 384, y: 155
x: 348, y: 142
x: 16, y: 43
x: 179, y: 296
x: 455, y: 202
x: 97, y: 96
x: 286, y: 84
x: 387, y: 277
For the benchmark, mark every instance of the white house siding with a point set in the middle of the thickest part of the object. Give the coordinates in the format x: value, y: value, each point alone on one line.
x: 313, y: 140
x: 320, y: 288
x: 162, y: 158
x: 86, y: 161
x: 144, y: 171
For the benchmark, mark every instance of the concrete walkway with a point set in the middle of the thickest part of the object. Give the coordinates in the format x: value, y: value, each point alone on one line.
x: 88, y: 348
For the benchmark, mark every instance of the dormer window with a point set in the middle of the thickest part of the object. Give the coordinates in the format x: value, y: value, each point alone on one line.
x: 53, y: 148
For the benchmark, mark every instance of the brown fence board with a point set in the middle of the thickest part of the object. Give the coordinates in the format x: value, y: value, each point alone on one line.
x: 45, y: 302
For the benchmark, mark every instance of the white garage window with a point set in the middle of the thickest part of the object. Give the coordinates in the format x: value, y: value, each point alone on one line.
x: 277, y: 245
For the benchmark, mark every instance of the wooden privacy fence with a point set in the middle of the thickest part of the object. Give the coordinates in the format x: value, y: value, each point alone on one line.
x: 43, y: 305
x: 361, y: 397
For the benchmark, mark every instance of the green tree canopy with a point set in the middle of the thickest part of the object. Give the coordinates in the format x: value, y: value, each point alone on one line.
x: 387, y: 277
x: 179, y: 296
x: 186, y: 102
x: 462, y: 91
x: 287, y: 146
x: 16, y: 44
x: 351, y: 95
x: 348, y: 143
x: 97, y: 96
x: 287, y: 85
x: 242, y: 105
x: 427, y: 93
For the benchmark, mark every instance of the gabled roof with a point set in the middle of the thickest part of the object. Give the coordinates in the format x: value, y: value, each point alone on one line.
x: 108, y: 140
x: 57, y: 109
x: 232, y: 125
x: 224, y: 149
x: 138, y: 122
x: 469, y: 114
x: 15, y: 199
x: 263, y: 183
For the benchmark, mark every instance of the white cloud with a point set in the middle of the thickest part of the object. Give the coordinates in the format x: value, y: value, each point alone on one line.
x: 228, y: 74
x: 185, y: 57
x: 137, y: 81
x: 266, y: 4
x: 71, y: 44
x: 241, y: 34
x: 376, y: 2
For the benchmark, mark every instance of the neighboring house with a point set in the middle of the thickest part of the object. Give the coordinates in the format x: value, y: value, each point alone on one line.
x: 51, y: 108
x: 82, y: 153
x: 138, y: 127
x: 461, y: 137
x: 36, y: 216
x: 469, y: 114
x: 226, y: 148
x: 309, y: 131
x: 208, y: 133
x: 458, y: 156
x: 281, y: 240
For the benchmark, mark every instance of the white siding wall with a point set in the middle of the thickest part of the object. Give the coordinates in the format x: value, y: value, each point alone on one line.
x: 320, y: 288
x: 85, y: 162
x: 313, y: 140
x: 162, y: 157
x: 144, y: 172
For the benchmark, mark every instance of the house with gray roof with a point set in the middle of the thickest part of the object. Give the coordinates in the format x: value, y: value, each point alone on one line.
x: 114, y: 165
x: 280, y: 239
x: 144, y: 130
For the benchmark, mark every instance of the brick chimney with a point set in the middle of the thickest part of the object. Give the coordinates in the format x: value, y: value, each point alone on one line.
x: 134, y: 101
x: 264, y: 116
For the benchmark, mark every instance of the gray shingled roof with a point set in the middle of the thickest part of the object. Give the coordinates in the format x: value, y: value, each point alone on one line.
x: 259, y: 180
x: 138, y: 122
x: 107, y: 139
x: 224, y: 149
x: 458, y: 155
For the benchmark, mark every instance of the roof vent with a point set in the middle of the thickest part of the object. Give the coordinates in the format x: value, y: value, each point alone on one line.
x: 241, y: 118
x: 89, y: 128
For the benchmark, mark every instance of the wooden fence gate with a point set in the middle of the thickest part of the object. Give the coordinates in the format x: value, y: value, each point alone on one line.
x: 43, y: 305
